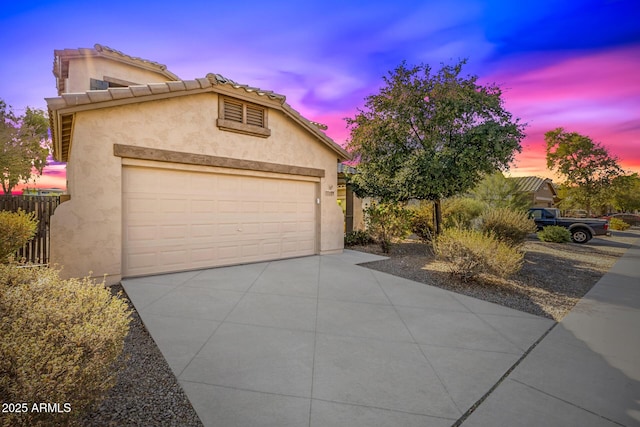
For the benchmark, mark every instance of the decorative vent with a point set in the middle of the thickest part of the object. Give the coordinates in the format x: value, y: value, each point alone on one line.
x: 242, y: 117
x: 233, y: 111
x: 255, y: 116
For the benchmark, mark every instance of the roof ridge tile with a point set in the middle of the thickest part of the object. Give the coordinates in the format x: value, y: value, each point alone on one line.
x: 157, y: 88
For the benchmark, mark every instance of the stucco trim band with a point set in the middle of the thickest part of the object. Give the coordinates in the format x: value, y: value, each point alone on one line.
x: 146, y: 153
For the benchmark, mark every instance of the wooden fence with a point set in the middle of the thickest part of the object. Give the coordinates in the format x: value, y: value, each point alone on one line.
x: 37, y: 250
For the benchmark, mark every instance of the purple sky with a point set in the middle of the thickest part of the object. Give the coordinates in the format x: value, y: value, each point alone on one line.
x: 571, y: 64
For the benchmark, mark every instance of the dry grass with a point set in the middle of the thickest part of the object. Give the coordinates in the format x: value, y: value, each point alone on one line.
x: 553, y: 278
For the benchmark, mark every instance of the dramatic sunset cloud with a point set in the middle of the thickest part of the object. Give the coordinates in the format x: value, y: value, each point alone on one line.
x: 595, y: 94
x: 560, y: 64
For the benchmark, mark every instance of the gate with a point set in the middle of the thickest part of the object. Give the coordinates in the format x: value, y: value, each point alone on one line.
x: 37, y: 249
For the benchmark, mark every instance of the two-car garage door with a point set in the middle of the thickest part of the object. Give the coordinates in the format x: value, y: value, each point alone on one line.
x: 180, y: 220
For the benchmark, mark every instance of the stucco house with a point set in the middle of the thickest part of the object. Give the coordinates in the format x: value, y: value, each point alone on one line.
x: 168, y: 175
x: 541, y: 191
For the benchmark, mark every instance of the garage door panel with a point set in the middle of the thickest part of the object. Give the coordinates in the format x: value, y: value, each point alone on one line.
x: 172, y: 232
x: 202, y: 255
x: 173, y: 205
x: 201, y: 184
x: 250, y: 250
x: 271, y: 248
x: 142, y: 260
x: 306, y: 227
x: 173, y: 257
x: 270, y: 206
x: 250, y: 207
x: 142, y: 204
x: 250, y: 230
x: 137, y: 233
x: 270, y: 228
x: 205, y: 206
x: 202, y: 231
x: 227, y: 253
x: 206, y: 220
x: 289, y: 227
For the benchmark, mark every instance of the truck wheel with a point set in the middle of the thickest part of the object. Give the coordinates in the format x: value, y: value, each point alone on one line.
x: 580, y: 235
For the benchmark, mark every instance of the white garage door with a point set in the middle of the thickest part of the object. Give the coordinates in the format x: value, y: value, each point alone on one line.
x: 177, y: 220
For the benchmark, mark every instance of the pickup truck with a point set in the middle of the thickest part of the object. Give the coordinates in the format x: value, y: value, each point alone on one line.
x: 582, y: 229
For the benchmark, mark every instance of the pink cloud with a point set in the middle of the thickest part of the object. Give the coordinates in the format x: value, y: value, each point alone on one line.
x: 53, y: 176
x: 595, y: 94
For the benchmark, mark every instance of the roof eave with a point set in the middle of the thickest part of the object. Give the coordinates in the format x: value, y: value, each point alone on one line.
x: 75, y: 102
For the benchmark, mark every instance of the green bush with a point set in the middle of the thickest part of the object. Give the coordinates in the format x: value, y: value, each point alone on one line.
x: 508, y: 225
x: 16, y: 229
x: 555, y: 234
x: 61, y: 342
x: 422, y: 221
x: 460, y: 212
x: 387, y: 222
x: 471, y: 252
x: 358, y: 237
x: 618, y: 224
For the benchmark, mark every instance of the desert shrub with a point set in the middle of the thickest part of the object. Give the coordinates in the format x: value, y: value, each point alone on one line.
x: 61, y: 342
x: 472, y: 252
x: 358, y: 237
x: 16, y: 229
x: 460, y: 212
x: 555, y: 234
x: 618, y: 224
x: 508, y: 225
x: 422, y: 221
x: 387, y: 222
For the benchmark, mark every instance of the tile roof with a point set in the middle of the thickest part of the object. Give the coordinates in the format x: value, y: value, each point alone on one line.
x: 61, y: 59
x: 531, y: 184
x: 67, y: 100
x: 112, y: 53
x: 219, y: 79
x: 64, y: 105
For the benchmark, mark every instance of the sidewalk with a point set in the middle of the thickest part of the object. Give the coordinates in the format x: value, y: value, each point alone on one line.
x: 586, y: 371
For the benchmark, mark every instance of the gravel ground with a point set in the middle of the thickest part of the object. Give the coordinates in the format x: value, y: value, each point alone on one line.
x: 146, y: 393
x: 554, y: 276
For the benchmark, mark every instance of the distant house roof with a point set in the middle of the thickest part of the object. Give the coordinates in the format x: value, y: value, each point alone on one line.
x: 342, y: 168
x: 532, y: 184
x: 61, y: 59
x: 62, y: 108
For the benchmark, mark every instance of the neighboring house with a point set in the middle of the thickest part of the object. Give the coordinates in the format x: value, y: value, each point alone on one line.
x: 541, y: 191
x: 169, y: 175
x: 42, y: 191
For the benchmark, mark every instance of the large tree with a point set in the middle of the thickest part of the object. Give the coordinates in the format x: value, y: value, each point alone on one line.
x: 24, y: 149
x: 587, y: 166
x: 430, y: 135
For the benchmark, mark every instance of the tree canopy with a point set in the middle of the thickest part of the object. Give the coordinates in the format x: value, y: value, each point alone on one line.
x: 430, y: 135
x: 587, y: 166
x: 24, y: 147
x: 499, y: 192
x: 625, y: 192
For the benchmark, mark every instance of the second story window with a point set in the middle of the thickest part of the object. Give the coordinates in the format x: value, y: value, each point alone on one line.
x: 243, y: 117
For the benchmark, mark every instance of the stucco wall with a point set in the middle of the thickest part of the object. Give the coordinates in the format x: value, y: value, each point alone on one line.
x: 82, y: 70
x: 86, y: 231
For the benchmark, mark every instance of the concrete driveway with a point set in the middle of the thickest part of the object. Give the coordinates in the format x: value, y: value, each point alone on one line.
x: 321, y: 341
